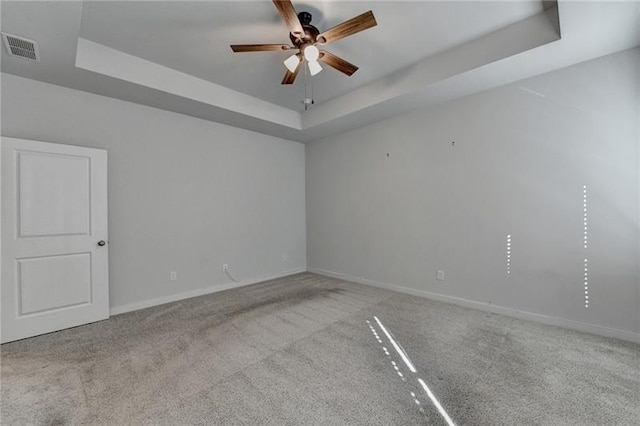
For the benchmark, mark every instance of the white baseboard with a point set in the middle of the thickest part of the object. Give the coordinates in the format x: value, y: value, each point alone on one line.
x: 510, y: 312
x: 115, y: 310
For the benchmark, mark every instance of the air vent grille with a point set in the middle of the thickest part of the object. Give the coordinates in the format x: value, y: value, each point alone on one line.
x: 19, y: 46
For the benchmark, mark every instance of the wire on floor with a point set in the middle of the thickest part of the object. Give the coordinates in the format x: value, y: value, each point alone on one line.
x: 230, y: 277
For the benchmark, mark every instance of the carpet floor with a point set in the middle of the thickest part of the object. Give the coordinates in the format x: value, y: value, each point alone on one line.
x: 308, y: 349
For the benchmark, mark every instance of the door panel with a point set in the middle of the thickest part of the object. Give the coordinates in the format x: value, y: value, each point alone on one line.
x: 54, y: 194
x: 54, y: 212
x: 53, y: 282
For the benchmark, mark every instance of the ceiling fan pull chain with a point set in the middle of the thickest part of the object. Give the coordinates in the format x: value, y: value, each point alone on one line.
x: 312, y: 97
x: 305, y: 101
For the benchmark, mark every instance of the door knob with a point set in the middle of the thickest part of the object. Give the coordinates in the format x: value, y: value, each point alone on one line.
x: 102, y: 243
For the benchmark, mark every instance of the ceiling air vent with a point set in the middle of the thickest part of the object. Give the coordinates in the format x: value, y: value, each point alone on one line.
x: 19, y: 46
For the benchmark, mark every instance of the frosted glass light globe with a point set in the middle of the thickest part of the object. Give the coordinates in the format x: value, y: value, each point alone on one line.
x: 311, y: 53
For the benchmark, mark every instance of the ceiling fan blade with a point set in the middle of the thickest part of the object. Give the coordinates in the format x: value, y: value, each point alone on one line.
x: 347, y: 28
x: 259, y: 47
x: 337, y: 63
x: 290, y: 77
x: 289, y: 16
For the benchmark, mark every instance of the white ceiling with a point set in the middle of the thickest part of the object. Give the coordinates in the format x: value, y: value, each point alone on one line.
x: 176, y: 56
x: 194, y: 38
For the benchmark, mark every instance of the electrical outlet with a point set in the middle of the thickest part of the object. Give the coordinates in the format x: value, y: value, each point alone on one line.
x: 285, y: 257
x: 225, y: 268
x: 440, y: 275
x: 173, y: 276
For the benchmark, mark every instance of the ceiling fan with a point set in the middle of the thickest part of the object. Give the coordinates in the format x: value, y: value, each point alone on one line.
x: 306, y: 39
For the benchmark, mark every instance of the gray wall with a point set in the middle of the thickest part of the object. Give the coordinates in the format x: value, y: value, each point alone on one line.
x: 184, y: 194
x: 392, y: 203
x: 188, y: 195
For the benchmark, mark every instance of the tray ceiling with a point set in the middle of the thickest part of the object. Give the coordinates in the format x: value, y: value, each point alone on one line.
x: 175, y: 55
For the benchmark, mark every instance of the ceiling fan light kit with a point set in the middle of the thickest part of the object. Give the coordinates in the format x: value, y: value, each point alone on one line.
x: 306, y: 38
x: 314, y: 67
x: 311, y: 53
x: 292, y: 62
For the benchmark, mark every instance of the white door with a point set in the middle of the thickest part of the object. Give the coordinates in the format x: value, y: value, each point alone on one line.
x: 54, y: 234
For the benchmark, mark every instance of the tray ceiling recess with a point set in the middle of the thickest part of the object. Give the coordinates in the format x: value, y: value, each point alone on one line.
x: 175, y: 55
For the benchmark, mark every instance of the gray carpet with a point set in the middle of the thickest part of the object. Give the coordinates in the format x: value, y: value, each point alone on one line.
x: 307, y: 349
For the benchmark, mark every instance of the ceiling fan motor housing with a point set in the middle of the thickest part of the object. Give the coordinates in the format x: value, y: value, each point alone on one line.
x: 310, y: 32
